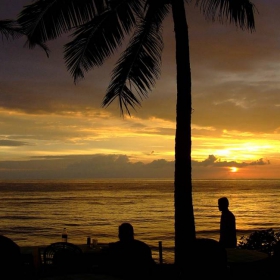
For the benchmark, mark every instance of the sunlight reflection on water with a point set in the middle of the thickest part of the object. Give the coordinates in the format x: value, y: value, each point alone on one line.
x: 35, y: 212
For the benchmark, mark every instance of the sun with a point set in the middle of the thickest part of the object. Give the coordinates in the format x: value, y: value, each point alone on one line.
x: 233, y: 169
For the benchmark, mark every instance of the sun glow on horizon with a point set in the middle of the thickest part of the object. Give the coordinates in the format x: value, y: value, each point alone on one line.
x: 233, y: 169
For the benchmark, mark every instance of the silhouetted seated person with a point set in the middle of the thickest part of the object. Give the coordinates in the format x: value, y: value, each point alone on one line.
x: 10, y: 259
x: 130, y: 258
x: 227, y: 225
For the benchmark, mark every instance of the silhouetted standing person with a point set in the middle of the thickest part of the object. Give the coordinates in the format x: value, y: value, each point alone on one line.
x: 130, y: 258
x: 227, y: 224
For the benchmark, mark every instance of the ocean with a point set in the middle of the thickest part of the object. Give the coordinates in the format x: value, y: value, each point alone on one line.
x: 35, y: 212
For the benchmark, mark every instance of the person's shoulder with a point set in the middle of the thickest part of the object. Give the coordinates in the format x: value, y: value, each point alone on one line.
x: 114, y: 246
x: 231, y: 213
x: 228, y: 213
x: 139, y: 242
x: 141, y: 245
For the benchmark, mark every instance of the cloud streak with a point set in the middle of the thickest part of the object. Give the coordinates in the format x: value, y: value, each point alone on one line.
x: 216, y: 162
x: 12, y: 143
x: 104, y: 166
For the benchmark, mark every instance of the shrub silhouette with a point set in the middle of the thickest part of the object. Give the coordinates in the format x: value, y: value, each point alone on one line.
x: 267, y: 241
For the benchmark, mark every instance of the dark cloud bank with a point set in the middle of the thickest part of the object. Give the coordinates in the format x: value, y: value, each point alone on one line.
x: 104, y: 166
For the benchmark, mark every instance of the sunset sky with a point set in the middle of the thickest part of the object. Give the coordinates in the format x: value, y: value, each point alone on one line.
x: 54, y: 129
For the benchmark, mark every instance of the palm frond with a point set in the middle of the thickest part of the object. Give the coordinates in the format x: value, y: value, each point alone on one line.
x: 98, y: 39
x: 10, y: 29
x: 127, y: 11
x: 45, y: 20
x: 139, y: 65
x: 241, y: 12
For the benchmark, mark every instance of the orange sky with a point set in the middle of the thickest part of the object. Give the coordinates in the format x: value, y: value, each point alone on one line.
x: 51, y: 128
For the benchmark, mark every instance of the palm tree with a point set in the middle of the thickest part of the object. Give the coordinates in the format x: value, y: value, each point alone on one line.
x: 9, y: 29
x: 99, y: 27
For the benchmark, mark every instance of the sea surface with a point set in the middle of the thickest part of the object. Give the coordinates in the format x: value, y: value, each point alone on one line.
x: 35, y: 212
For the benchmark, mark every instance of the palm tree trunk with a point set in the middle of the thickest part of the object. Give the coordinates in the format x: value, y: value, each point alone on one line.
x: 184, y: 215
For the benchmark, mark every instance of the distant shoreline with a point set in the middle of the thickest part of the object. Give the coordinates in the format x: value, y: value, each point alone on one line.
x: 85, y: 180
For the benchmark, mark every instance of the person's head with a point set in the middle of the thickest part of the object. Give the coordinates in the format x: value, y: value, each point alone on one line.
x: 126, y: 232
x: 223, y: 203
